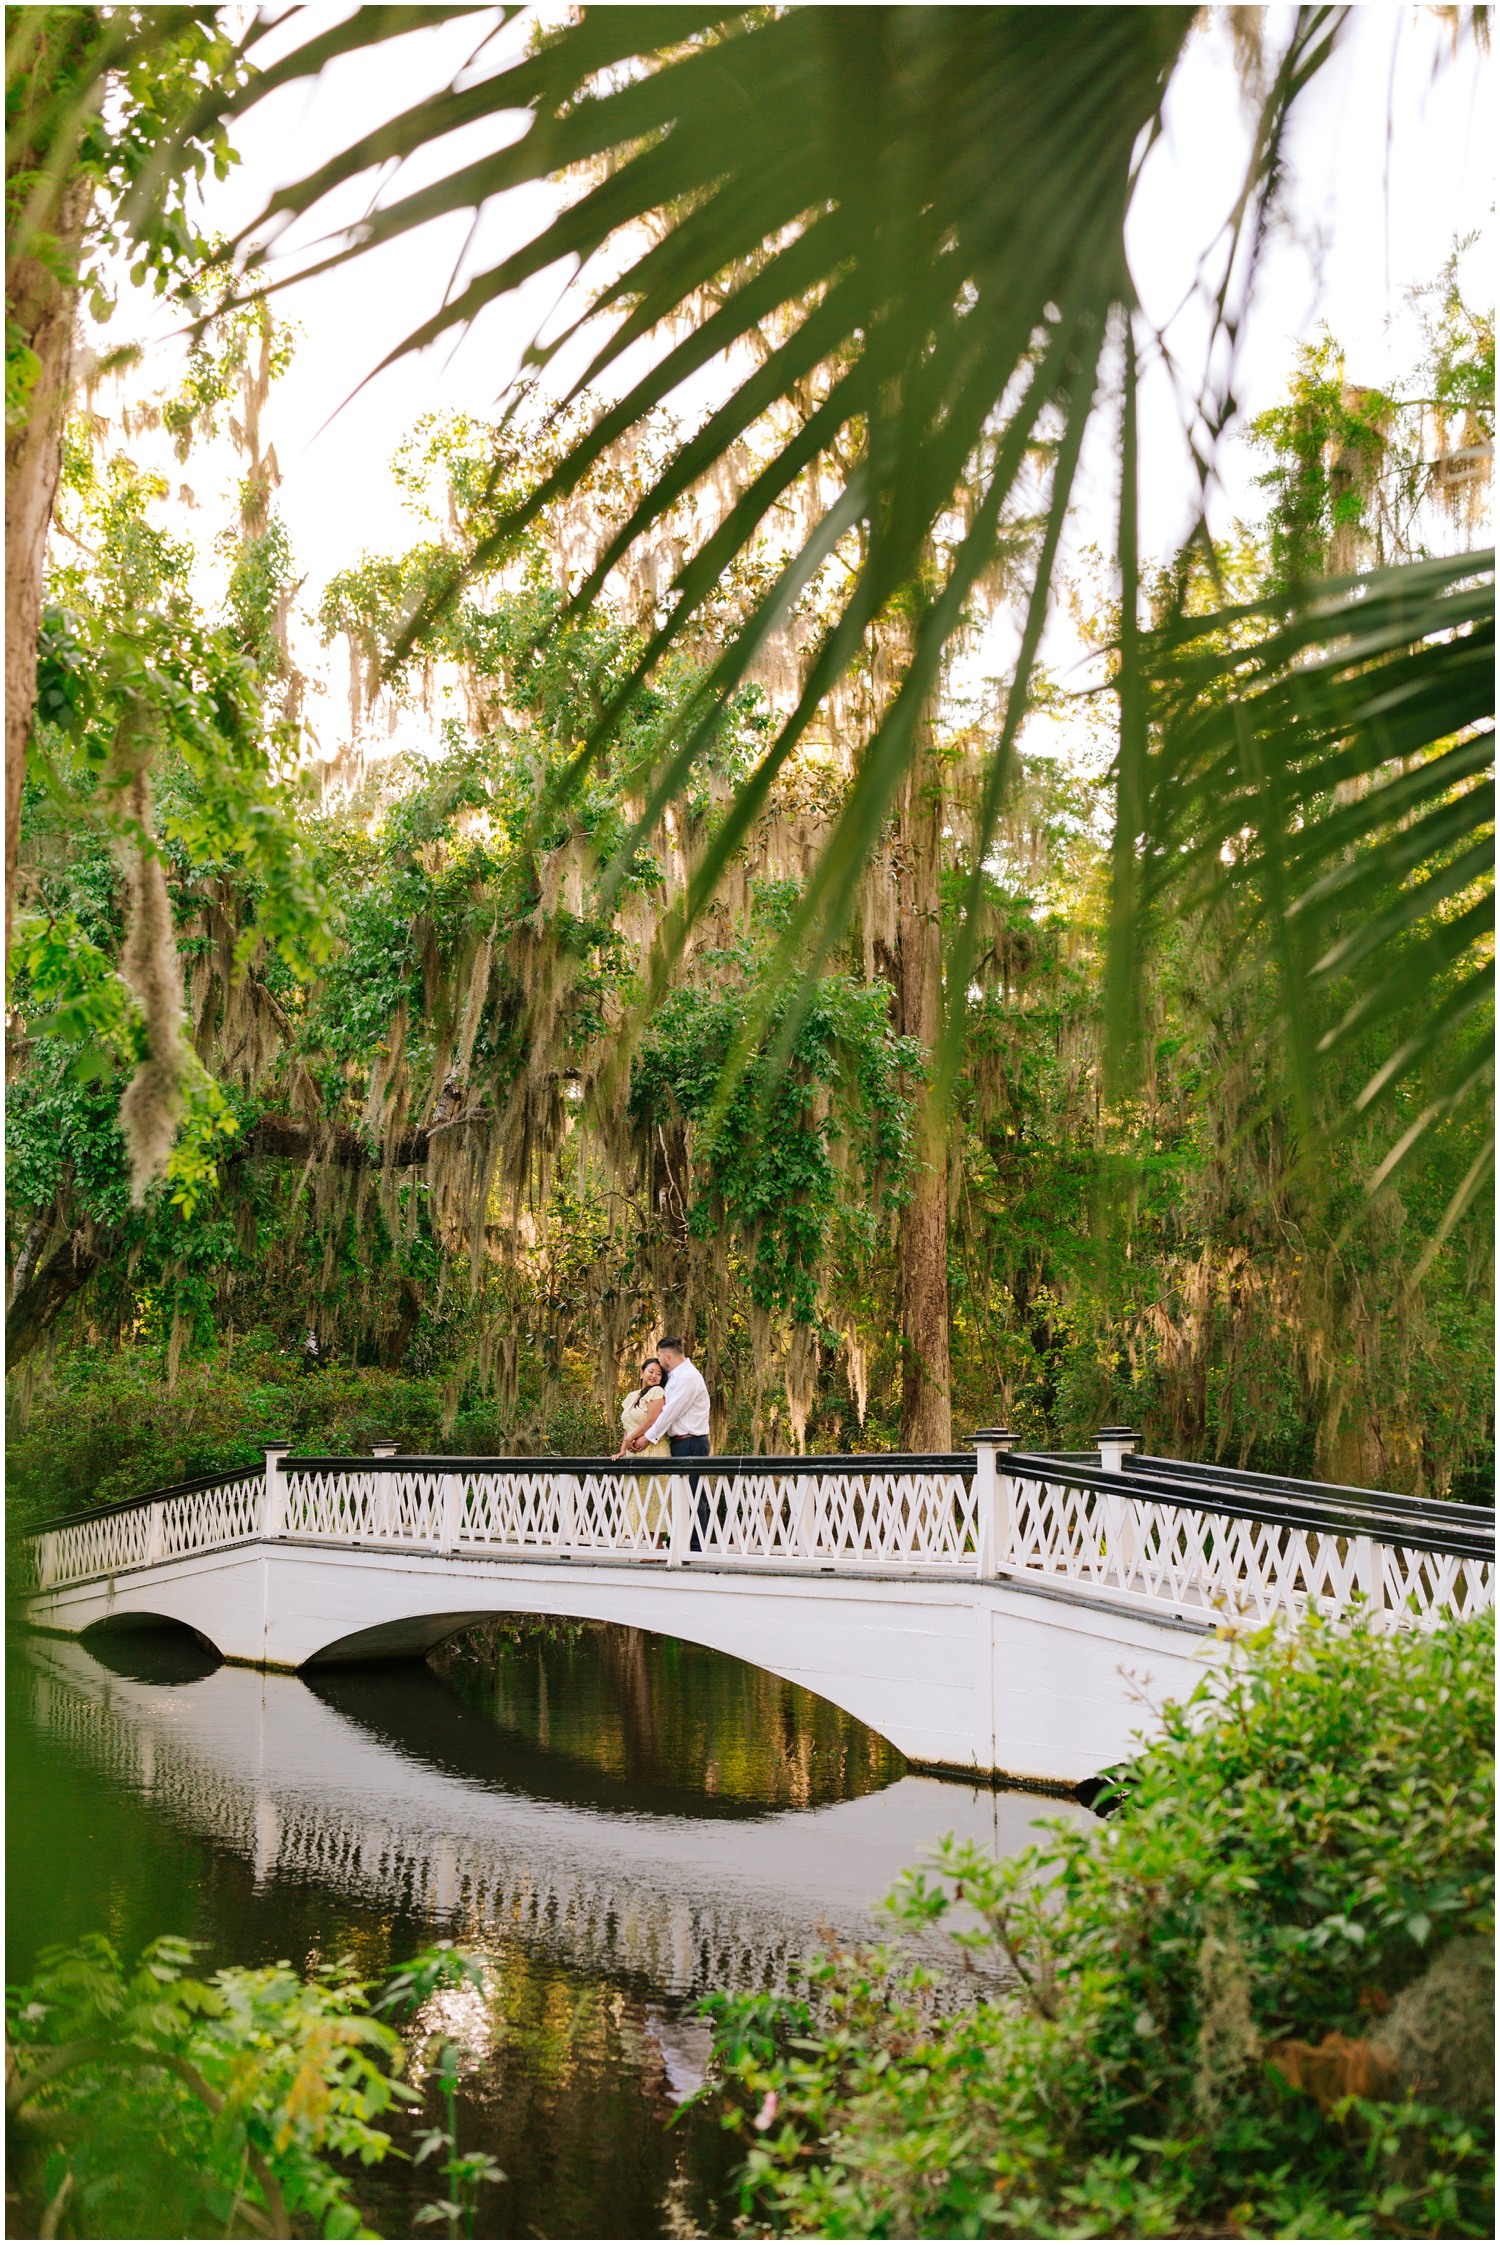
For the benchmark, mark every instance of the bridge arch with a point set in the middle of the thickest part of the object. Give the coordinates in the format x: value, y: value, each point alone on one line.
x: 983, y: 1678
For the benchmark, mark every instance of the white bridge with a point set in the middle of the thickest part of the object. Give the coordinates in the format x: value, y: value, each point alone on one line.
x: 1007, y: 1614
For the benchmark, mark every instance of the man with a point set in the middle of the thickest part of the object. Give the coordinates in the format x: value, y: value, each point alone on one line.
x: 683, y: 1421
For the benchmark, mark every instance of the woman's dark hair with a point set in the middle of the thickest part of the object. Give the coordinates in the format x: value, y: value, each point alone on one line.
x: 645, y: 1368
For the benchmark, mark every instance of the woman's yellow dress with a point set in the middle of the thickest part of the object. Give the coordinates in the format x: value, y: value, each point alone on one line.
x: 646, y: 1509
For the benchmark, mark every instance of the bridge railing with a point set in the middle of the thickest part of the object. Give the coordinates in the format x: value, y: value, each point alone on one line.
x: 886, y: 1511
x: 1200, y: 1542
x: 1201, y: 1545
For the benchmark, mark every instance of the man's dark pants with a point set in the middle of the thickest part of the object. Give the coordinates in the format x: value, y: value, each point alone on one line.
x: 694, y: 1446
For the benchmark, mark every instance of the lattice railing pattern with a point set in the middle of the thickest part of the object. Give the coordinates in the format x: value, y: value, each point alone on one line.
x: 207, y: 1518
x: 1025, y: 1518
x: 917, y: 1520
x: 1198, y: 1561
x: 533, y: 1510
x: 1434, y: 1582
x: 376, y: 1506
x: 165, y: 1527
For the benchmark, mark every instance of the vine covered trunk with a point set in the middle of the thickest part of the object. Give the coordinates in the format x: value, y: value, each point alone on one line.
x: 926, y: 1387
x: 41, y: 302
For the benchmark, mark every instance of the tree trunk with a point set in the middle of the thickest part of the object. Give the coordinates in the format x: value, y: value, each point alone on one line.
x: 926, y: 1400
x: 43, y: 1295
x: 41, y: 309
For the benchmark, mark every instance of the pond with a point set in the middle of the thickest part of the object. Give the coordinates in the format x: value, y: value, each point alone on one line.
x: 613, y: 1823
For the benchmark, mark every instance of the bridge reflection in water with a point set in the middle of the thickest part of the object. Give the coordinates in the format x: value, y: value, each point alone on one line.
x: 386, y: 1787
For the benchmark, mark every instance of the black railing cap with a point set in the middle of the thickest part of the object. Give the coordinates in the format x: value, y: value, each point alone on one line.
x: 734, y: 1461
x: 1332, y: 1513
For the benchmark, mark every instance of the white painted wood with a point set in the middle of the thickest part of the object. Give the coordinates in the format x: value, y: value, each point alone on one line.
x: 926, y: 1663
x: 977, y: 1620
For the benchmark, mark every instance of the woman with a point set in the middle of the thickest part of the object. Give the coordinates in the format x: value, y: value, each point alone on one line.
x: 646, y: 1507
x: 641, y: 1407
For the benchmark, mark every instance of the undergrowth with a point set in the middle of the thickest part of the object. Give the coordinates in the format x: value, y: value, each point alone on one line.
x: 1258, y: 2001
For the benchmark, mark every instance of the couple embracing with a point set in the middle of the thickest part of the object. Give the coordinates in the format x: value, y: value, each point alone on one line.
x: 667, y: 1415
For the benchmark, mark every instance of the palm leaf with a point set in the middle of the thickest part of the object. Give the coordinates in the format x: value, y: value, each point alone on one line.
x: 927, y: 205
x: 923, y: 212
x: 1330, y: 763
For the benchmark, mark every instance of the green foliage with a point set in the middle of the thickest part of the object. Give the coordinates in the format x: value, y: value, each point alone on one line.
x: 464, y: 2173
x: 929, y: 321
x: 122, y: 102
x: 1328, y: 440
x: 1361, y: 476
x: 241, y: 346
x: 486, y: 1147
x: 148, y: 2103
x: 108, y: 1424
x: 810, y: 1150
x: 1337, y: 767
x: 1459, y: 376
x: 1287, y: 1865
x: 125, y: 654
x: 152, y: 746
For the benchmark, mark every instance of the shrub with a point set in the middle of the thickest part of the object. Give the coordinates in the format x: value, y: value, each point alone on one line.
x: 109, y: 1425
x: 149, y: 2104
x: 1227, y: 2008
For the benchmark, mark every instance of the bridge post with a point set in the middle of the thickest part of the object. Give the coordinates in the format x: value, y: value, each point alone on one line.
x: 385, y: 1495
x: 154, y: 1536
x: 452, y: 1513
x: 46, y: 1566
x: 807, y: 1516
x: 682, y: 1529
x: 1115, y: 1446
x: 273, y: 1504
x: 567, y: 1510
x: 993, y: 1496
x: 1372, y: 1573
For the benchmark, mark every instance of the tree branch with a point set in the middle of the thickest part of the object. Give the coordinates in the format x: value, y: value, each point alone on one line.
x: 40, y: 1296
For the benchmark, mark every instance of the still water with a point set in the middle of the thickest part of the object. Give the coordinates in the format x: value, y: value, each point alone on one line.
x: 614, y: 1823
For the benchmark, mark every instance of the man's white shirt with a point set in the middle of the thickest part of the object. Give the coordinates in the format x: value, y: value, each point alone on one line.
x: 686, y: 1408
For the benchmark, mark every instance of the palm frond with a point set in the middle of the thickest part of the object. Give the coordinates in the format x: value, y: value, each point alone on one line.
x: 922, y: 210
x: 1332, y: 762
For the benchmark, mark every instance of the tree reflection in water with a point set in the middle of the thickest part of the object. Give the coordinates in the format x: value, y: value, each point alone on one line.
x: 657, y: 1713
x: 610, y: 1822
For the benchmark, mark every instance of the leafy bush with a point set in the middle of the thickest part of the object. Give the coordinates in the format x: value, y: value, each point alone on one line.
x: 109, y: 1425
x: 1258, y: 2001
x: 150, y: 2104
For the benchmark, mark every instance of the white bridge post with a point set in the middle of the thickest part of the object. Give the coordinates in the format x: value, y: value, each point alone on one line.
x: 452, y: 1512
x: 567, y: 1511
x: 681, y: 1534
x: 273, y: 1503
x: 1115, y: 1446
x: 993, y: 1496
x: 154, y: 1536
x: 385, y: 1506
x: 806, y: 1505
x: 1372, y: 1573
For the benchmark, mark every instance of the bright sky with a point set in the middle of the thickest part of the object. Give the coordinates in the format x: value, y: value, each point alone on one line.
x: 1391, y: 161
